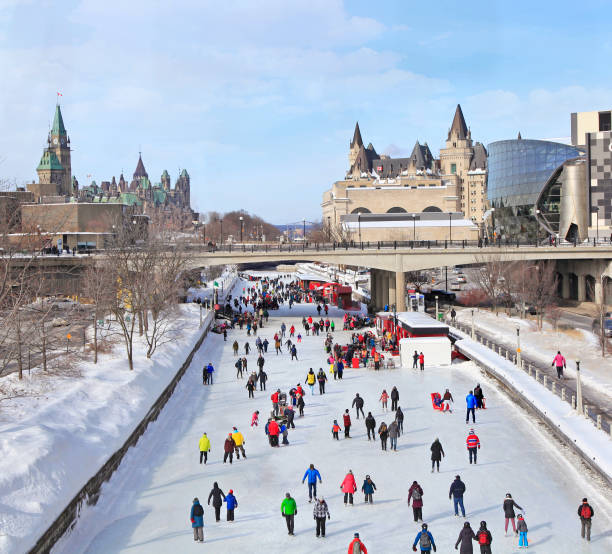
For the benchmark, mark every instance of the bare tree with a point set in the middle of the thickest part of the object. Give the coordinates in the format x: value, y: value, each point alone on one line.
x: 99, y: 289
x: 417, y: 279
x: 542, y: 292
x: 601, y: 309
x: 490, y: 278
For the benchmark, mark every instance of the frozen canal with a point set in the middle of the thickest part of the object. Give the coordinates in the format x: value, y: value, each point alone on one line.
x: 145, y: 507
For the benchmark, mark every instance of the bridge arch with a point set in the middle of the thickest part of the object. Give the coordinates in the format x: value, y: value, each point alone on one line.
x: 430, y: 209
x: 396, y: 210
x: 361, y: 210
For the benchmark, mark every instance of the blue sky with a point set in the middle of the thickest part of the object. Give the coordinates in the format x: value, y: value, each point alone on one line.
x: 258, y: 99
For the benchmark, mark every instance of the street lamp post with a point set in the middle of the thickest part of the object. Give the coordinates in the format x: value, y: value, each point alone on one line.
x: 221, y: 223
x: 241, y: 227
x: 493, y: 224
x: 472, y: 323
x: 578, y: 388
x: 359, y: 224
x: 436, y: 307
x: 304, y: 230
x: 329, y: 227
x: 537, y: 227
x: 518, y: 346
x: 450, y: 228
x: 413, y: 228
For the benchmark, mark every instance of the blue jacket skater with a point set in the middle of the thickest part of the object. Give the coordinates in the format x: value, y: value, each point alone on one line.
x: 197, y: 521
x: 471, y: 401
x: 232, y: 503
x: 418, y: 539
x: 210, y: 368
x: 313, y: 475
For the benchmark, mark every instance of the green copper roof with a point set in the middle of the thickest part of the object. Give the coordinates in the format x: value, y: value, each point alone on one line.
x: 49, y: 161
x: 58, y: 123
x: 129, y: 198
x: 159, y: 196
x: 184, y: 173
x: 165, y: 173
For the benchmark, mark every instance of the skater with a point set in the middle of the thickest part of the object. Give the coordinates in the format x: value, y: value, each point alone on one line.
x: 358, y: 404
x: 348, y: 487
x: 368, y: 489
x: 216, y: 493
x: 294, y: 353
x: 446, y: 400
x: 356, y: 546
x: 470, y: 401
x: 312, y: 474
x: 311, y: 379
x: 265, y: 344
x: 262, y: 377
x: 415, y: 360
x: 204, y: 447
x: 277, y: 346
x: 274, y: 398
x: 232, y: 504
x: 425, y: 540
x: 457, y: 489
x: 224, y: 334
x: 320, y: 512
x: 239, y: 443
x: 250, y: 386
x: 585, y: 513
x: 384, y: 397
x: 238, y: 366
x: 346, y: 418
x: 335, y: 430
x: 383, y: 433
x: 466, y: 536
x: 522, y: 530
x: 399, y: 417
x: 255, y: 419
x: 197, y: 520
x: 479, y: 397
x: 473, y: 445
x: 394, y: 398
x: 209, y: 371
x: 559, y: 363
x: 300, y: 404
x: 228, y: 449
x: 416, y: 493
x: 321, y: 377
x: 289, y: 511
x: 289, y: 414
x: 484, y: 538
x: 393, y: 431
x: 260, y: 362
x: 437, y: 452
x: 285, y: 432
x: 205, y: 375
x: 247, y: 348
x: 422, y: 361
x: 235, y: 348
x: 273, y: 431
x: 370, y: 423
x: 453, y: 315
x: 508, y: 506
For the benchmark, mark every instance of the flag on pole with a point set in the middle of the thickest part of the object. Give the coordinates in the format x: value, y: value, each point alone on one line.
x: 60, y: 94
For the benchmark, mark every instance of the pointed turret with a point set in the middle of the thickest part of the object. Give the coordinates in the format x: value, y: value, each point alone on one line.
x: 357, y: 136
x: 140, y: 169
x: 519, y: 136
x: 458, y: 128
x: 58, y: 128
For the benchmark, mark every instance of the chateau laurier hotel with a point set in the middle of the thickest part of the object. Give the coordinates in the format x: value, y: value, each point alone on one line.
x: 420, y: 184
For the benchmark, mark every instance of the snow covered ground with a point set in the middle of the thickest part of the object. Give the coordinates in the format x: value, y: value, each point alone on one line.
x: 145, y: 506
x: 543, y: 345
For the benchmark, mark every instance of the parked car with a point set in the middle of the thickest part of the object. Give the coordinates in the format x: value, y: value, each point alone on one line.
x: 607, y: 322
x: 460, y: 279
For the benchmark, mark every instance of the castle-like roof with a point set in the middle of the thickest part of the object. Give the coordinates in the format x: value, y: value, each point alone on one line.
x: 140, y: 170
x: 357, y: 136
x: 479, y: 159
x: 458, y: 127
x: 58, y: 122
x: 49, y: 161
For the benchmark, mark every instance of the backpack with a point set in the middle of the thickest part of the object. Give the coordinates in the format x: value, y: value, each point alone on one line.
x: 416, y: 494
x: 425, y: 541
x: 383, y: 429
x: 585, y: 512
x: 483, y: 537
x: 198, y: 511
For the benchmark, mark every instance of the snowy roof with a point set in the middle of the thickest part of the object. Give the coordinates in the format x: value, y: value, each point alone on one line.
x: 419, y: 319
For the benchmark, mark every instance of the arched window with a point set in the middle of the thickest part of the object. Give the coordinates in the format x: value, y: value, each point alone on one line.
x: 361, y: 211
x: 396, y: 210
x: 432, y: 209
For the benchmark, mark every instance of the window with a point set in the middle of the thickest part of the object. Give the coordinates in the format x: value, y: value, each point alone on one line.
x: 605, y: 121
x: 453, y: 168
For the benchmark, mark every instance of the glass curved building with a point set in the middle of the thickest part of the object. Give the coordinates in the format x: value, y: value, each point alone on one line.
x: 518, y: 172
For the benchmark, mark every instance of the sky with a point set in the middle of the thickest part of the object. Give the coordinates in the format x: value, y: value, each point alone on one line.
x: 258, y: 99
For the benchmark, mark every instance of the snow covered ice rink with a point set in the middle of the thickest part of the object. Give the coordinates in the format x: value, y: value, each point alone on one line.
x: 145, y: 506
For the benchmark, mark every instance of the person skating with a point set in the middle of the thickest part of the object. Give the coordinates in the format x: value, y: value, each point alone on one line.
x: 335, y: 430
x: 348, y: 487
x: 384, y: 397
x: 250, y: 386
x: 289, y: 414
x: 479, y: 397
x: 312, y: 474
x: 585, y: 513
x: 217, y: 497
x: 383, y: 433
x: 447, y: 398
x: 238, y: 443
x: 255, y: 419
x: 358, y: 405
x: 232, y: 504
x: 273, y: 432
x: 311, y: 379
x: 415, y: 492
x: 466, y: 536
x: 457, y: 490
x: 274, y: 398
x: 415, y: 360
x: 238, y: 366
x: 235, y: 347
x: 289, y: 511
x: 437, y: 452
x: 205, y: 375
x: 204, y: 445
x: 368, y: 489
x: 470, y: 401
x: 393, y: 431
x: 300, y: 404
x: 294, y: 353
x: 522, y: 531
x: 473, y: 445
x: 370, y: 424
x: 422, y: 361
x: 356, y: 546
x: 509, y: 515
x: 262, y: 377
x: 394, y: 398
x: 559, y: 363
x: 399, y: 417
x: 425, y: 540
x: 321, y: 378
x: 247, y: 348
x: 284, y: 430
x: 484, y: 538
x: 228, y: 449
x: 261, y: 362
x: 346, y: 419
x: 196, y: 517
x: 320, y: 512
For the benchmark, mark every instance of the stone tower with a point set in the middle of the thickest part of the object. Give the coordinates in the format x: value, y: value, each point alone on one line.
x: 165, y: 180
x: 59, y: 144
x: 455, y: 158
x: 183, y: 188
x: 355, y: 145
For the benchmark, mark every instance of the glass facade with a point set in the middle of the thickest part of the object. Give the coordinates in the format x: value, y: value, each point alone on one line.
x: 518, y: 170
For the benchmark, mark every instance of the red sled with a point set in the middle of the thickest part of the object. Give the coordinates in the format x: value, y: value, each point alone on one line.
x: 436, y: 402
